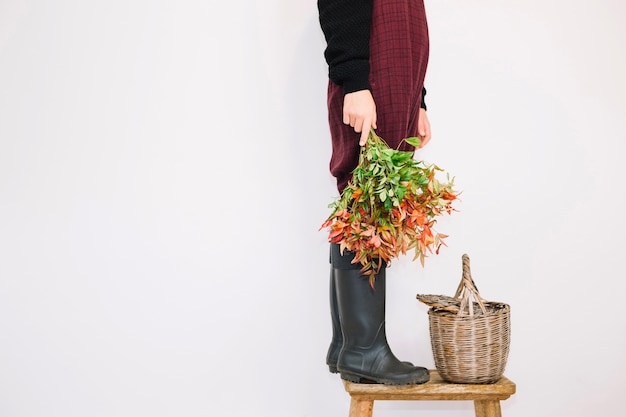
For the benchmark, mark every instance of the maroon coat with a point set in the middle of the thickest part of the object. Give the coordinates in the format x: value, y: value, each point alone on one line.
x: 398, y: 58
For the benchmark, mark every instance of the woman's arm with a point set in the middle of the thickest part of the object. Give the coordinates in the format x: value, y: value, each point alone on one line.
x: 346, y: 25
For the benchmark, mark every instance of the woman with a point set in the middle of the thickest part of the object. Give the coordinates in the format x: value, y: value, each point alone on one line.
x: 377, y: 54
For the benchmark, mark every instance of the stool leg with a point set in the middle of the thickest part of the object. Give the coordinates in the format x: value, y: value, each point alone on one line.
x: 487, y: 408
x: 361, y: 408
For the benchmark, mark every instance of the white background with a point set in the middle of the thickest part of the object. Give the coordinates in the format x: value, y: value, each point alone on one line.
x: 164, y: 172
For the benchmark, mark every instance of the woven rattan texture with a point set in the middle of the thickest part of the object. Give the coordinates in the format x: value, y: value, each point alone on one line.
x: 470, y: 337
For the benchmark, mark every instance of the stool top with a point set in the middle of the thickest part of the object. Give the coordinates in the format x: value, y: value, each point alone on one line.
x: 435, y: 389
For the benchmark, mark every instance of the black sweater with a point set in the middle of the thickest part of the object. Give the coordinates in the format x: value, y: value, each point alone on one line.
x: 346, y: 26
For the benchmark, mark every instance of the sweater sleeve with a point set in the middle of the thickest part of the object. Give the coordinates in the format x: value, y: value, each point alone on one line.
x: 346, y: 25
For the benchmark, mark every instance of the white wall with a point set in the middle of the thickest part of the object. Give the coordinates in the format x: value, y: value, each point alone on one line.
x: 164, y: 171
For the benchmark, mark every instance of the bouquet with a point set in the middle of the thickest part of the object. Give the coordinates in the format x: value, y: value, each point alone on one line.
x: 389, y: 207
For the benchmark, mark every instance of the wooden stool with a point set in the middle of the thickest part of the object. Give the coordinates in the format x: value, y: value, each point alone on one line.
x: 486, y: 397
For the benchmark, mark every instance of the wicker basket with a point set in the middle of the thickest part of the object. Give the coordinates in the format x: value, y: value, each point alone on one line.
x: 470, y: 337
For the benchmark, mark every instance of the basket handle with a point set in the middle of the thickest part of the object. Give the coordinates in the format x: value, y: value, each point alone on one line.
x: 467, y: 291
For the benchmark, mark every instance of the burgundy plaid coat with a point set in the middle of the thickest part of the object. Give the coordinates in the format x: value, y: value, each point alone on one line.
x: 399, y: 48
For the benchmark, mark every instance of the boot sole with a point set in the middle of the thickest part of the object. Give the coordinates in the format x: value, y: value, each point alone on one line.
x: 360, y: 379
x: 333, y: 368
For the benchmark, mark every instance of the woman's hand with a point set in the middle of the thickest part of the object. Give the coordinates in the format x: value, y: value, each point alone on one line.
x: 423, y: 128
x: 359, y: 111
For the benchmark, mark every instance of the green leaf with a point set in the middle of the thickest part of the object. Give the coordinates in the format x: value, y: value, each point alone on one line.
x: 415, y: 141
x: 401, y: 157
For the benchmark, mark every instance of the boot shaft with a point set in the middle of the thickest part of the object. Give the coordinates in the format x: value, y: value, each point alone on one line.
x: 361, y: 307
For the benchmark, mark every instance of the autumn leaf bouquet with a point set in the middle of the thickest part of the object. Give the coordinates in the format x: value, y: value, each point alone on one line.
x: 389, y: 207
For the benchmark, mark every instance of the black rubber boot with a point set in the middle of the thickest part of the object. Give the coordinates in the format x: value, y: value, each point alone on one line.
x: 365, y: 355
x: 337, y: 340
